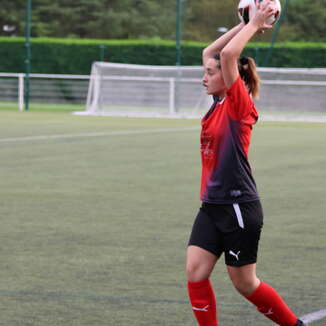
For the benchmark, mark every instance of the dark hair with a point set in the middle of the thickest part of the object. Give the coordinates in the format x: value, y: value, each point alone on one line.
x: 248, y: 73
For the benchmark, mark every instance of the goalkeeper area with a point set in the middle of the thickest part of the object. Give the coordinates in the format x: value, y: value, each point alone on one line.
x: 97, y: 211
x: 170, y: 91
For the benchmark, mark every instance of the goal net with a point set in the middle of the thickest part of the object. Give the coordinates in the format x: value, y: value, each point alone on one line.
x: 139, y: 90
x: 293, y: 94
x: 171, y: 91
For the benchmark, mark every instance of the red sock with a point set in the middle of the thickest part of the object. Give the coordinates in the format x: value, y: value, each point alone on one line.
x: 203, y: 302
x: 270, y: 303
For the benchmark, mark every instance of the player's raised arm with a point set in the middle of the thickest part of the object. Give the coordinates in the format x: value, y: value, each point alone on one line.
x: 217, y: 46
x: 232, y: 50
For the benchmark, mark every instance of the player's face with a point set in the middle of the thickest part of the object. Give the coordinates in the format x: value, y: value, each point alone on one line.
x: 213, y: 78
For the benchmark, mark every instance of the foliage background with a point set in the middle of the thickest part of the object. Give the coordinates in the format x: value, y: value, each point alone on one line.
x: 75, y: 56
x: 144, y: 19
x: 70, y: 34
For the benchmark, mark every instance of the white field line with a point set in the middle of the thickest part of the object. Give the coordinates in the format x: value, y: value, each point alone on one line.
x: 97, y: 134
x: 275, y: 118
x: 314, y: 316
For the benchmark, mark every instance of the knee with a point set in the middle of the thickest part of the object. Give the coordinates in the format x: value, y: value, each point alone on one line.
x: 193, y: 271
x: 246, y: 286
x: 196, y: 271
x: 200, y: 264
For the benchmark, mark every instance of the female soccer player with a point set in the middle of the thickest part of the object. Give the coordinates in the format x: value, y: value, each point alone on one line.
x: 230, y: 218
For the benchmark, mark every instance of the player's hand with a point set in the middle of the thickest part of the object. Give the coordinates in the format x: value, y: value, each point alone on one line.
x: 265, y: 10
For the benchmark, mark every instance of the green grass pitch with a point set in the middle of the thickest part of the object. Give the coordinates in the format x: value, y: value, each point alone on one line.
x: 94, y: 229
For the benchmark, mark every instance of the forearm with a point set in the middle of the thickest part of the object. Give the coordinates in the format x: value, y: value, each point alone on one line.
x: 217, y: 46
x: 232, y: 50
x: 236, y: 45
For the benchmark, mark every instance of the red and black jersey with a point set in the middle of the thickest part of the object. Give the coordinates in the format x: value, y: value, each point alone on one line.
x: 225, y: 138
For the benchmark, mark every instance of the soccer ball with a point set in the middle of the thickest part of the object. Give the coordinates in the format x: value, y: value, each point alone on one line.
x: 247, y: 9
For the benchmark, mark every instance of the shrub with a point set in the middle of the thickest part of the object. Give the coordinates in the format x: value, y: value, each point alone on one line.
x: 75, y: 56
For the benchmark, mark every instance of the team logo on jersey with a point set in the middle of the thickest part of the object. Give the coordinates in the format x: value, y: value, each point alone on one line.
x: 235, y: 193
x: 206, y: 146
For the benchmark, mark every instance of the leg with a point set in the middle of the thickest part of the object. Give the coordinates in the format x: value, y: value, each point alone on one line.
x: 244, y: 279
x: 263, y: 296
x: 202, y: 254
x: 200, y: 264
x: 241, y: 257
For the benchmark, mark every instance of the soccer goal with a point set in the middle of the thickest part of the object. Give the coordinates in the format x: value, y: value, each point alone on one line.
x: 171, y: 91
x: 140, y: 90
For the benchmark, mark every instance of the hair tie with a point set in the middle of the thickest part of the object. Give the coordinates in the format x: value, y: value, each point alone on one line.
x: 244, y: 61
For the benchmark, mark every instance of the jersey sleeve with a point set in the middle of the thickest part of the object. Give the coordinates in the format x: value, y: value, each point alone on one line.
x: 240, y: 104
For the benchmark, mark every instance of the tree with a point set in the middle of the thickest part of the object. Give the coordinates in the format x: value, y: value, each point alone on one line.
x: 202, y: 18
x: 12, y: 14
x: 306, y: 21
x: 132, y: 19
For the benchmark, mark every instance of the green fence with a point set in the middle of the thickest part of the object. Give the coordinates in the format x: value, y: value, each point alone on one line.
x: 75, y: 56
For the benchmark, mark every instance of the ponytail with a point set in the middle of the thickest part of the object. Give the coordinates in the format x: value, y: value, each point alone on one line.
x: 248, y: 72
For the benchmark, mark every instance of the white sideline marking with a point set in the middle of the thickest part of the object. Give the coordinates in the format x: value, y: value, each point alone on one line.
x: 98, y: 134
x: 271, y: 117
x: 317, y: 315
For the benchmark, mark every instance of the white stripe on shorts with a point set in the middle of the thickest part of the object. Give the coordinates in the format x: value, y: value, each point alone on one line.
x: 239, y: 215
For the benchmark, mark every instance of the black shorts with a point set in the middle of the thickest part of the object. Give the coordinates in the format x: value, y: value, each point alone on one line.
x: 233, y: 229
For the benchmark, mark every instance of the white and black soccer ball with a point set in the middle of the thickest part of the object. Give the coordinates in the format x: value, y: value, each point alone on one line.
x: 247, y: 9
